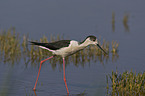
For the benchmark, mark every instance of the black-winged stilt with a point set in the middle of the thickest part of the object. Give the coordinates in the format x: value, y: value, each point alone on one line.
x: 65, y: 48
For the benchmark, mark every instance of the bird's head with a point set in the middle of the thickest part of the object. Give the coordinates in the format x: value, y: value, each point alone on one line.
x: 92, y: 40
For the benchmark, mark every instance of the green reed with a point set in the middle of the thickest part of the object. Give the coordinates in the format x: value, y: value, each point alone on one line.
x: 126, y: 84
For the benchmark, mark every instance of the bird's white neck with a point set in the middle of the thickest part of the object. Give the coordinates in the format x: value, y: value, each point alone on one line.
x: 85, y: 43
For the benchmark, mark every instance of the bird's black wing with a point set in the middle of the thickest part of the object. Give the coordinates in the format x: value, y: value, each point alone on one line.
x: 54, y: 45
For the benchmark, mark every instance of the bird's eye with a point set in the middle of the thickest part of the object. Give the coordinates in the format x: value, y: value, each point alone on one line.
x: 93, y: 39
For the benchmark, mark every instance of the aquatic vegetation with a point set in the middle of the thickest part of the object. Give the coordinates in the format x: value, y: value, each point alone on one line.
x: 126, y: 84
x: 114, y: 47
x: 12, y: 48
x: 10, y: 45
x: 125, y: 22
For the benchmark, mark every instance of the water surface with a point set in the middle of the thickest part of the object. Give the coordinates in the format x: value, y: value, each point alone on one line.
x: 74, y: 19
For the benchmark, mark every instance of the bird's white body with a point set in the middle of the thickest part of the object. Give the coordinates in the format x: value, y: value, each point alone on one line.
x: 73, y: 47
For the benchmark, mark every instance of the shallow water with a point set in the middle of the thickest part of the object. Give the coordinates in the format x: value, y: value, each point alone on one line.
x: 73, y: 20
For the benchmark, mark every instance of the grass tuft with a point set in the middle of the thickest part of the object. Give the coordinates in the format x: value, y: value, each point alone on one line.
x: 126, y: 84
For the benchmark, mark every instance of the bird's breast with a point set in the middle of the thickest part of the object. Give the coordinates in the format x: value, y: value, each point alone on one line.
x: 66, y: 51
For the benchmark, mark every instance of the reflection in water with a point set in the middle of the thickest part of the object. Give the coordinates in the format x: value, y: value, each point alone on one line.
x: 115, y: 57
x: 113, y: 21
x: 80, y: 94
x: 12, y: 51
x: 6, y: 82
x: 35, y: 93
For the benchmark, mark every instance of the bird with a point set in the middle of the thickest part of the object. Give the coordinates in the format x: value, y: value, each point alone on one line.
x: 65, y: 48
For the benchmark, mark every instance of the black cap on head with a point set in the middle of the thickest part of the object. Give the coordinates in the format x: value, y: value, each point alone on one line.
x: 92, y: 38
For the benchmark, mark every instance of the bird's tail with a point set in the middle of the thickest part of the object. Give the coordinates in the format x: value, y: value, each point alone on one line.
x: 34, y: 43
x: 38, y: 44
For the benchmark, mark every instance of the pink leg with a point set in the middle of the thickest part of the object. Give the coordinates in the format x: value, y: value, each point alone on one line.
x: 39, y: 71
x: 64, y: 76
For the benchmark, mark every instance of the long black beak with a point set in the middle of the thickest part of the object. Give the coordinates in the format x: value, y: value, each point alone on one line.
x: 101, y: 48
